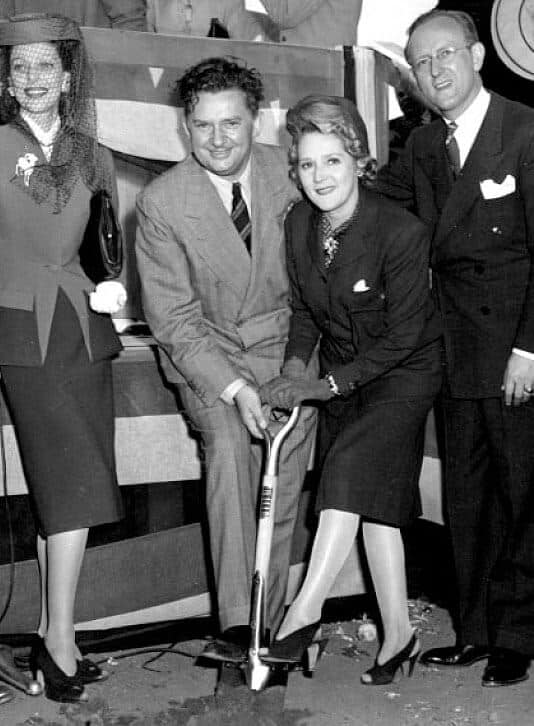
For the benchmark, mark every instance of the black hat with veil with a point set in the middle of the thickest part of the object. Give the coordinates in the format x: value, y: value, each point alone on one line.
x: 75, y: 150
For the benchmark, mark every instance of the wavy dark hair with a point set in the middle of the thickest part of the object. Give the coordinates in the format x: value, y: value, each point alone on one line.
x: 220, y: 74
x: 76, y: 105
x: 331, y: 115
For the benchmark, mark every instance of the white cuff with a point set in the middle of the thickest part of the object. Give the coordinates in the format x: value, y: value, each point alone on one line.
x: 523, y: 353
x: 231, y: 390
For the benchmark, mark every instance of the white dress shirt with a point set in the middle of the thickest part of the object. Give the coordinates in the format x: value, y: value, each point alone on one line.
x: 469, y: 123
x: 223, y: 188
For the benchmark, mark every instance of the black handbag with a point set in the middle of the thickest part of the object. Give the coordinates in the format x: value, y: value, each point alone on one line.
x: 101, y: 250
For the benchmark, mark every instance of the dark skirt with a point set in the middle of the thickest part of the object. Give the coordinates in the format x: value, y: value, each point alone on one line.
x: 64, y: 421
x: 371, y: 444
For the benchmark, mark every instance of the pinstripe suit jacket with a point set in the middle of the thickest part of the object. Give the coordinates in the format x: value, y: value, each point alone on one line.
x: 482, y: 248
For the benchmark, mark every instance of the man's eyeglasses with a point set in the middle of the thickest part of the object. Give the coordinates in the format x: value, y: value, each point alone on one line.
x: 443, y: 56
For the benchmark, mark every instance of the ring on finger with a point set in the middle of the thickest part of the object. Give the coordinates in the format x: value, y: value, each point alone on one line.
x: 527, y: 389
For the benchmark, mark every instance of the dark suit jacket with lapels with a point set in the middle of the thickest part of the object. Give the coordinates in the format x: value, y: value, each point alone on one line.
x: 372, y: 306
x: 482, y: 228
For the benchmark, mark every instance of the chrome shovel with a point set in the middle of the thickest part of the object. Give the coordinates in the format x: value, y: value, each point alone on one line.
x: 258, y: 672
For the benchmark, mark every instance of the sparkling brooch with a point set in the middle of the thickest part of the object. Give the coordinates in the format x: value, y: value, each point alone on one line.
x: 330, y: 247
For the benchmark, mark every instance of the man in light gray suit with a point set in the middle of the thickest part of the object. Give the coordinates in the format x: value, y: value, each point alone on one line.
x: 215, y: 293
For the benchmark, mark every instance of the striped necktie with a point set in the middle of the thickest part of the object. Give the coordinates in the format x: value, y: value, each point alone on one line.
x: 240, y: 216
x: 453, y: 152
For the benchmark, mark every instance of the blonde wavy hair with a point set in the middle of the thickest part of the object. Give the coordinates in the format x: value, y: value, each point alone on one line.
x: 331, y: 115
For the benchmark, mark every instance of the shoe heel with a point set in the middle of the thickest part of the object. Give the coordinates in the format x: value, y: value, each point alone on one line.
x: 412, y: 661
x: 38, y: 677
x: 311, y: 658
x: 313, y: 655
x: 382, y: 674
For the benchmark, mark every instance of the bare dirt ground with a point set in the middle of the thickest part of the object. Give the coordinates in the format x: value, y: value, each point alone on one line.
x: 173, y: 691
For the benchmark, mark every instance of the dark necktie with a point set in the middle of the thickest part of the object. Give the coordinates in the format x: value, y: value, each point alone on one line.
x: 453, y: 152
x: 240, y: 216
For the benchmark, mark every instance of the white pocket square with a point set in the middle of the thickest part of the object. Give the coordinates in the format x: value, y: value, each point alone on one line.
x: 493, y: 190
x: 360, y: 286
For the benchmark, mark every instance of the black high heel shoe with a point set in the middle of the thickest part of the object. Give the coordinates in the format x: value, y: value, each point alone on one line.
x: 301, y: 646
x: 58, y: 686
x: 381, y: 675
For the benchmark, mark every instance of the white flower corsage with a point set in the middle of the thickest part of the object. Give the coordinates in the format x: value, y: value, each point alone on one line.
x: 108, y: 297
x: 25, y: 166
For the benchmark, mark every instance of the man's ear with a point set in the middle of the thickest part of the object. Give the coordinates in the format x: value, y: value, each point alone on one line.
x: 256, y: 127
x: 185, y: 127
x: 478, y: 53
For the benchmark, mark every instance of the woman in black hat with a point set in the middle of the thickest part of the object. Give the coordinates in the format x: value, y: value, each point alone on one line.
x: 55, y: 351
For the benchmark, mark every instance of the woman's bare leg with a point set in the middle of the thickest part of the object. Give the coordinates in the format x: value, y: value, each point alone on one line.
x: 64, y: 559
x: 385, y: 554
x: 331, y: 546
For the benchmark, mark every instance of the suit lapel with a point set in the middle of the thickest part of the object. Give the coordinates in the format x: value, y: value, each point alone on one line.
x: 479, y: 165
x: 314, y: 243
x: 356, y: 243
x: 211, y: 223
x: 360, y: 238
x: 268, y: 208
x: 437, y: 167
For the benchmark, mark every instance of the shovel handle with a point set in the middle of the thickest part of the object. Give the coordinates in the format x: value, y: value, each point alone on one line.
x: 274, y: 443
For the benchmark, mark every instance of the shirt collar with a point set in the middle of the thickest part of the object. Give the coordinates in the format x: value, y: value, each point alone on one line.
x: 469, y: 123
x: 474, y: 113
x: 224, y: 185
x: 43, y: 137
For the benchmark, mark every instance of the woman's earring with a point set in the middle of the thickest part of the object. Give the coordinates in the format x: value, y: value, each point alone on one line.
x: 65, y: 86
x: 11, y: 90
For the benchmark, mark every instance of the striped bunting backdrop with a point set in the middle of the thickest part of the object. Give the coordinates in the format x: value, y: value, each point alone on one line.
x: 135, y: 87
x: 136, y: 75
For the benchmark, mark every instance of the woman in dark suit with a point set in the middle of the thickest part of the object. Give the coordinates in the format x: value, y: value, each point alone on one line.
x: 358, y: 267
x: 54, y: 350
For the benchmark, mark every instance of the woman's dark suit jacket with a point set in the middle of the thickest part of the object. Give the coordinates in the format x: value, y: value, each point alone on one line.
x: 372, y: 306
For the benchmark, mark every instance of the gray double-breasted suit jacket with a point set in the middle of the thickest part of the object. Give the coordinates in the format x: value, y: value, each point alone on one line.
x: 217, y: 312
x: 220, y: 314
